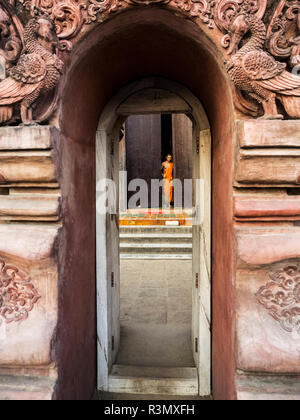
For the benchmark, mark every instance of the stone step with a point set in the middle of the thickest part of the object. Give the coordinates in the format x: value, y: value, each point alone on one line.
x: 152, y: 238
x: 156, y: 242
x: 153, y: 380
x: 159, y: 256
x: 109, y: 396
x: 150, y: 248
x: 156, y: 229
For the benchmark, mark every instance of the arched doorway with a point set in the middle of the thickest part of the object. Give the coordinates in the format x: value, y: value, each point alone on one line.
x: 136, y: 44
x: 134, y: 99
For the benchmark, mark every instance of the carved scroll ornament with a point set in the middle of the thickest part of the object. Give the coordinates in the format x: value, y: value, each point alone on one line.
x: 286, y: 20
x: 253, y: 68
x: 17, y: 294
x: 281, y: 297
x: 261, y: 39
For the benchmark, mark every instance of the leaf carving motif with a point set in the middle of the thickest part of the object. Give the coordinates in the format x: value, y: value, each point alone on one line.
x: 281, y: 297
x: 17, y: 294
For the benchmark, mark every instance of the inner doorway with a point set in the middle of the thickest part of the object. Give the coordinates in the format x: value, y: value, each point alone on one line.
x: 155, y: 96
x: 145, y: 142
x: 156, y: 243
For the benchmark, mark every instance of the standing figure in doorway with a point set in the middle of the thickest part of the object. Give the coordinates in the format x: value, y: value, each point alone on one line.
x: 167, y: 173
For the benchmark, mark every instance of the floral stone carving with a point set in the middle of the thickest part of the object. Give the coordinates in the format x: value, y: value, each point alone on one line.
x: 281, y: 297
x: 17, y: 294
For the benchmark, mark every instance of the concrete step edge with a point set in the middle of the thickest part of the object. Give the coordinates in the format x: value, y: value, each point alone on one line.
x: 155, y: 386
x: 155, y: 245
x: 156, y: 236
x: 155, y: 227
x: 156, y: 256
x: 154, y: 371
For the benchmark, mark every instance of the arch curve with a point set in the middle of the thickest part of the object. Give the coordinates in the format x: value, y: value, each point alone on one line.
x: 108, y: 116
x: 140, y: 43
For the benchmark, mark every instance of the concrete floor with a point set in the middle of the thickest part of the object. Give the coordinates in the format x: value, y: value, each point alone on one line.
x: 156, y: 313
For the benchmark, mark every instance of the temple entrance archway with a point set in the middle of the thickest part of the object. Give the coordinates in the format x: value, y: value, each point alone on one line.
x: 171, y: 49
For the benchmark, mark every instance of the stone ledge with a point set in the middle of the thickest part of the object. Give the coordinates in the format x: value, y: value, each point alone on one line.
x: 26, y: 167
x: 268, y: 167
x: 268, y: 387
x: 17, y: 388
x: 29, y: 208
x: 26, y: 138
x: 259, y: 133
x: 274, y: 243
x: 268, y: 154
x: 267, y: 208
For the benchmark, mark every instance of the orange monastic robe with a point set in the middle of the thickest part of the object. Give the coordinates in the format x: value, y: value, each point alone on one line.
x: 168, y: 185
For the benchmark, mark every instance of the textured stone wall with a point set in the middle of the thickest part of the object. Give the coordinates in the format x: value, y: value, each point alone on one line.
x: 267, y: 235
x: 29, y: 234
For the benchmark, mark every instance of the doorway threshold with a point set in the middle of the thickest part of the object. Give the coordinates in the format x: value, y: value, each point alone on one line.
x: 161, y: 381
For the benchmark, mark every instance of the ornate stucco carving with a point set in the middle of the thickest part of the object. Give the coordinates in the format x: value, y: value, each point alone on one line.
x: 17, y: 294
x: 260, y: 38
x: 255, y: 71
x: 281, y: 297
x: 279, y: 40
x: 33, y: 69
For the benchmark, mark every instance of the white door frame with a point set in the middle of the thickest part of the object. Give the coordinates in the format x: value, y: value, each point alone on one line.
x: 136, y: 99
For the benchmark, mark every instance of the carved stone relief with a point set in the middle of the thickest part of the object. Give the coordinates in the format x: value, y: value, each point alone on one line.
x: 281, y: 297
x: 17, y: 294
x: 33, y: 68
x: 253, y: 68
x: 261, y: 41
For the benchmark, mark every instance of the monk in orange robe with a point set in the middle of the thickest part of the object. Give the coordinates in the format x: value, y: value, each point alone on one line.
x: 167, y: 171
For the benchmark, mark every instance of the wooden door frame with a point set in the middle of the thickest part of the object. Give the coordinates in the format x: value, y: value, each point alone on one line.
x: 132, y: 100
